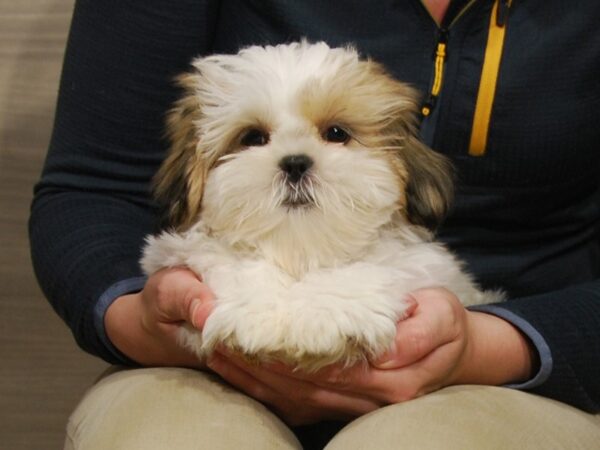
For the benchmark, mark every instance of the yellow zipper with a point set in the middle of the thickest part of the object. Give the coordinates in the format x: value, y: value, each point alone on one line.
x: 440, y: 59
x: 489, y: 78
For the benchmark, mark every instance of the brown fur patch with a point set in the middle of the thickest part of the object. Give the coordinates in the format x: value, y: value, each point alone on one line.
x: 381, y: 113
x: 430, y: 187
x: 179, y: 183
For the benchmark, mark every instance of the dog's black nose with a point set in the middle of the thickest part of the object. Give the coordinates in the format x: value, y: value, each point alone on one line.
x: 295, y: 166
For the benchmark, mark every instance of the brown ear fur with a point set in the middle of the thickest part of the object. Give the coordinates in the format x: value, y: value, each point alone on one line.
x: 430, y: 187
x: 428, y: 174
x: 179, y: 182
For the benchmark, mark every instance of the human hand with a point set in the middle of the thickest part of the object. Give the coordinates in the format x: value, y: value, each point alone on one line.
x: 444, y: 344
x: 440, y: 344
x: 297, y: 397
x: 144, y: 325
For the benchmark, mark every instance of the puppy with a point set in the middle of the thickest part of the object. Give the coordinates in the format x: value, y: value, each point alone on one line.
x: 297, y: 187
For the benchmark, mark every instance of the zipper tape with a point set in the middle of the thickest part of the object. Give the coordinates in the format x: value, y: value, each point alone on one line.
x: 489, y: 78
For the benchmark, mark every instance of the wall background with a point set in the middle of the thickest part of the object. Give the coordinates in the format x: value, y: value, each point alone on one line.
x: 42, y: 371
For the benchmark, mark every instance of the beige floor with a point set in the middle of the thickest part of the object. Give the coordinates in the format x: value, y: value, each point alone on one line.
x: 42, y: 372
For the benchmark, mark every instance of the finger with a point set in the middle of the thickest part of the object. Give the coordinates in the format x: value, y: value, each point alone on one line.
x: 177, y: 356
x: 381, y: 387
x: 303, y: 391
x: 241, y: 379
x: 182, y: 297
x: 160, y: 348
x: 411, y: 305
x: 276, y: 387
x: 281, y: 405
x: 415, y: 380
x: 336, y: 376
x: 416, y: 337
x: 200, y: 308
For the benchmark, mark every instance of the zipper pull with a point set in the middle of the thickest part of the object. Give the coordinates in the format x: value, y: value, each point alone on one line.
x: 443, y: 35
x: 439, y: 57
x: 441, y: 45
x: 502, y: 12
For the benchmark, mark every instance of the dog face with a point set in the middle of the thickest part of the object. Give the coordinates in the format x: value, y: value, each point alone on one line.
x: 298, y: 143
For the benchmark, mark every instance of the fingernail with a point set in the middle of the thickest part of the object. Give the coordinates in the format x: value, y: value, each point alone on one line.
x: 387, y: 360
x: 196, y: 303
x: 410, y: 299
x: 411, y: 305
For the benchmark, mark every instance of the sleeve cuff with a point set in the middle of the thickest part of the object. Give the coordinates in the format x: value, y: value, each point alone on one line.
x: 118, y: 289
x: 536, y: 338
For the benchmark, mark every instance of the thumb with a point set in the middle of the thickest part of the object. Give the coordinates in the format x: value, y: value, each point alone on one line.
x: 411, y: 305
x: 201, y: 306
x: 395, y: 357
x: 199, y: 312
x: 189, y: 301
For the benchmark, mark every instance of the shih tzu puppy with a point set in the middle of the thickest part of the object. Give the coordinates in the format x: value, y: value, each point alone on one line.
x: 296, y: 186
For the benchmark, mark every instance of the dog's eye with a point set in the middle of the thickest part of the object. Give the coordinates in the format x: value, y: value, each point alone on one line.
x: 255, y: 138
x: 336, y: 134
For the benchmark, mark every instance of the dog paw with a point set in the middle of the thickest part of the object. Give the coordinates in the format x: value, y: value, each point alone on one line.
x: 308, y: 339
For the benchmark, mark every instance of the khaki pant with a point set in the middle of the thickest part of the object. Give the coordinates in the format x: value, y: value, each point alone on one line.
x: 168, y: 408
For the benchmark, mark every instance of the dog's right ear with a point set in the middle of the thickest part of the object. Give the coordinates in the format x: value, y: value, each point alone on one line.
x: 179, y: 182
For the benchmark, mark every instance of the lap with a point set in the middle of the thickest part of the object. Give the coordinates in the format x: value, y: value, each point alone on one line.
x: 163, y: 408
x: 473, y: 417
x: 180, y: 408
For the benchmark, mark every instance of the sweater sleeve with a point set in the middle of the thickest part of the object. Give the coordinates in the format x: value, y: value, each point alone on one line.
x: 92, y: 208
x: 568, y: 321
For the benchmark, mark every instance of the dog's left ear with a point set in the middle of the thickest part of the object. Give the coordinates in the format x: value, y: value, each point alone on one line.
x: 428, y: 175
x: 430, y: 184
x: 179, y: 182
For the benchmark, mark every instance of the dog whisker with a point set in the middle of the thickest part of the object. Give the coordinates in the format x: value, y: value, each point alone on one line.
x: 227, y: 157
x: 310, y: 187
x: 277, y: 190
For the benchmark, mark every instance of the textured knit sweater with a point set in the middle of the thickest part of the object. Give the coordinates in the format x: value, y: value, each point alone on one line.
x: 511, y: 95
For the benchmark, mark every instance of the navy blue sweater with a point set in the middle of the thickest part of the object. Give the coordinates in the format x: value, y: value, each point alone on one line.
x: 527, y: 213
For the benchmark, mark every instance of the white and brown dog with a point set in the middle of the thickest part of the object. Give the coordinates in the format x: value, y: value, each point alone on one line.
x: 297, y: 187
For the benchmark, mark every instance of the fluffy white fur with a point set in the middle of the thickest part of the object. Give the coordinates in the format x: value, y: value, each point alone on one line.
x: 315, y: 271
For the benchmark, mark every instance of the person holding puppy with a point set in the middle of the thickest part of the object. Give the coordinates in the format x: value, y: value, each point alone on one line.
x: 526, y: 219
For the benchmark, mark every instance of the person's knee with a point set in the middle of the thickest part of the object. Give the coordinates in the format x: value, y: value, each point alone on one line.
x: 172, y: 408
x: 472, y: 417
